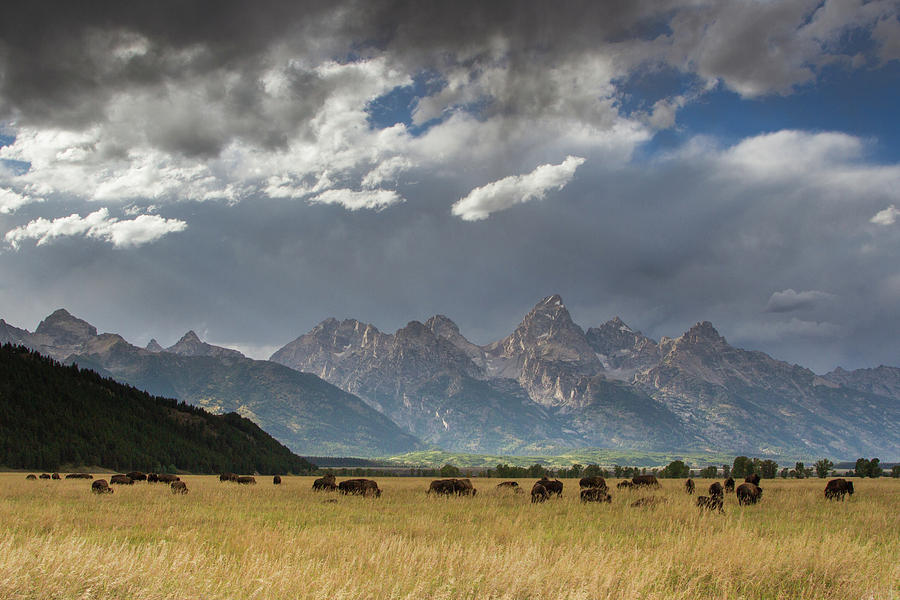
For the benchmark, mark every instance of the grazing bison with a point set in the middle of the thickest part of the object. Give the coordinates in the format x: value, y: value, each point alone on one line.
x: 754, y: 479
x: 442, y: 487
x: 539, y: 493
x: 54, y: 476
x: 622, y: 485
x: 592, y: 482
x: 509, y: 485
x: 648, y: 501
x: 689, y: 486
x: 359, y: 487
x: 325, y: 484
x: 246, y: 480
x: 464, y: 487
x: 167, y: 478
x: 711, y: 503
x: 152, y: 477
x: 31, y: 477
x: 554, y: 487
x: 837, y: 488
x: 79, y: 476
x: 595, y: 494
x: 101, y: 487
x: 228, y: 477
x: 748, y: 493
x: 729, y: 485
x: 44, y: 476
x: 716, y: 491
x: 121, y: 480
x: 179, y: 487
x: 645, y: 481
x: 276, y: 480
x: 137, y: 476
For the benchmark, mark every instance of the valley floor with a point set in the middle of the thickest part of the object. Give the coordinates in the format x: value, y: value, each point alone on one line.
x: 57, y: 540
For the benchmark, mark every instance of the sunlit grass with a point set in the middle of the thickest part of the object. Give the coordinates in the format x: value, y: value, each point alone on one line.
x: 57, y: 540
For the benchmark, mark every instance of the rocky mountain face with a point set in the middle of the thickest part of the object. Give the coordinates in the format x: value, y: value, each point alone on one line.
x: 609, y: 386
x: 307, y: 414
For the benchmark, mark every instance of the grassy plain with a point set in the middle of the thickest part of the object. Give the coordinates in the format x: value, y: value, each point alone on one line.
x: 57, y: 540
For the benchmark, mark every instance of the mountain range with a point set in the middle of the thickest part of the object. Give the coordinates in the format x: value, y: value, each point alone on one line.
x: 346, y: 387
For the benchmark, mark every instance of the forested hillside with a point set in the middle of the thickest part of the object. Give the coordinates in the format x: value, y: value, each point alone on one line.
x: 53, y: 415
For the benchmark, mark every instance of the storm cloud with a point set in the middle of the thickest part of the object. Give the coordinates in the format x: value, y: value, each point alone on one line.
x: 247, y: 170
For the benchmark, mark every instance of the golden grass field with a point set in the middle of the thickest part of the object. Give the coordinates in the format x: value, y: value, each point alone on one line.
x: 57, y: 540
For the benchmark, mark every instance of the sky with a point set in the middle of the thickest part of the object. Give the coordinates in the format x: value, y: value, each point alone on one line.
x: 247, y: 170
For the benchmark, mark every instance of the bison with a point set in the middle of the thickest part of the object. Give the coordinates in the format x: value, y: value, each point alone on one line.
x: 152, y: 477
x: 689, y: 486
x: 716, y: 491
x: 137, y: 476
x: 592, y: 482
x: 54, y: 476
x: 179, y: 487
x: 442, y: 487
x: 79, y: 476
x: 622, y: 485
x: 509, y: 485
x: 754, y: 479
x: 31, y: 477
x: 748, y: 493
x: 167, y: 478
x: 554, y: 487
x: 44, y: 476
x: 595, y: 494
x: 464, y: 487
x: 729, y: 485
x: 101, y: 487
x: 539, y: 493
x: 325, y: 484
x: 246, y: 480
x: 228, y: 477
x: 359, y: 487
x: 836, y: 489
x: 121, y: 480
x: 276, y: 480
x: 645, y: 481
x: 710, y: 503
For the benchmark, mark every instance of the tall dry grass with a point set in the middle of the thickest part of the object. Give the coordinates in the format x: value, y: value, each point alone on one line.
x: 57, y: 540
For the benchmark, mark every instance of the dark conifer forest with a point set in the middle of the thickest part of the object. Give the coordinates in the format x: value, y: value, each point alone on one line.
x: 54, y: 416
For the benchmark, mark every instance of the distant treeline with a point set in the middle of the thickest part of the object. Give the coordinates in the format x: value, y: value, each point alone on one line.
x: 344, y: 461
x: 52, y: 415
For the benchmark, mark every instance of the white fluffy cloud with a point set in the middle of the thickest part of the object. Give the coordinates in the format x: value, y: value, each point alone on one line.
x: 99, y: 225
x: 356, y: 200
x: 888, y: 216
x: 10, y: 200
x: 516, y: 189
x: 789, y: 300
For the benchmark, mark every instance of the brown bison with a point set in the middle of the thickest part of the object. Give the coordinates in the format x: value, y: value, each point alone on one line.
x: 276, y: 480
x: 748, y: 493
x: 729, y: 485
x: 31, y: 477
x: 464, y: 487
x: 623, y: 485
x: 167, y: 478
x: 44, y: 476
x: 79, y: 476
x: 596, y: 494
x: 179, y: 487
x: 711, y: 503
x: 228, y: 477
x: 246, y: 480
x: 754, y: 479
x: 592, y: 482
x: 836, y: 489
x: 716, y: 490
x: 54, y: 476
x: 689, y: 486
x: 442, y: 487
x: 137, y: 476
x: 152, y: 477
x: 539, y: 493
x: 325, y: 484
x: 645, y: 481
x: 100, y: 486
x: 359, y: 487
x: 121, y: 480
x: 554, y: 486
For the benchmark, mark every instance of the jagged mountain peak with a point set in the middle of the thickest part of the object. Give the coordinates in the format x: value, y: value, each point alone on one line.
x: 441, y: 324
x: 190, y: 337
x: 154, y: 346
x: 64, y: 329
x: 703, y: 332
x: 190, y: 344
